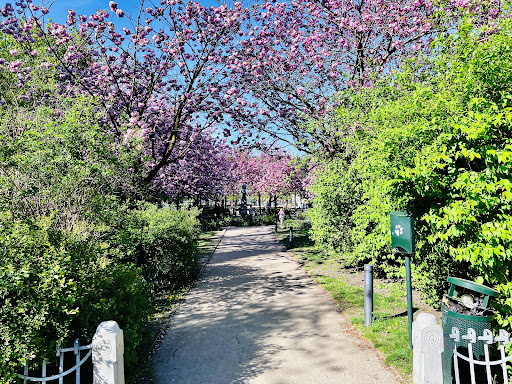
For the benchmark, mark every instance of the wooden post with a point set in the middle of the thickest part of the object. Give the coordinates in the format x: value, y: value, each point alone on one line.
x: 107, y: 354
x: 428, y: 345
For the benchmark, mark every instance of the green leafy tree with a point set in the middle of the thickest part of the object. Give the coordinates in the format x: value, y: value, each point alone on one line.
x: 465, y: 174
x: 58, y: 163
x: 434, y: 139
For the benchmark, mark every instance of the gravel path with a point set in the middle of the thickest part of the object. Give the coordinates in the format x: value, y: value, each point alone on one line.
x: 256, y: 317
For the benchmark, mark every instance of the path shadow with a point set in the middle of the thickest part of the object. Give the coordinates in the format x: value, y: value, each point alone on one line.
x: 239, y: 319
x: 401, y: 314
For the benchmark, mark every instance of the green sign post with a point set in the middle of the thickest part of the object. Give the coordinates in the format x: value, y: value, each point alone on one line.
x: 402, y: 242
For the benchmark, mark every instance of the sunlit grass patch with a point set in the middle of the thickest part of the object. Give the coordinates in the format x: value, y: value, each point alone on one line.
x: 389, y: 331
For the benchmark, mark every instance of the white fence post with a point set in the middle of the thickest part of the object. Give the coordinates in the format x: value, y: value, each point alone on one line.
x: 107, y: 354
x: 428, y: 344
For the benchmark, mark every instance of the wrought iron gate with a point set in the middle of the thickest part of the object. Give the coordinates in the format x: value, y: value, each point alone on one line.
x: 76, y: 349
x: 487, y: 338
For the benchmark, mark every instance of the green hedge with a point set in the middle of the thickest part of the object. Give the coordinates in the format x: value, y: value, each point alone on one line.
x: 55, y: 286
x: 73, y: 249
x: 463, y: 179
x: 337, y: 194
x: 162, y: 242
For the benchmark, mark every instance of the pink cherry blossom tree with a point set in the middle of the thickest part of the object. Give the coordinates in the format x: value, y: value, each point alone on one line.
x: 245, y: 169
x: 181, y: 67
x: 299, y: 55
x: 274, y: 181
x: 267, y: 173
x: 166, y: 80
x: 202, y: 171
x: 302, y: 175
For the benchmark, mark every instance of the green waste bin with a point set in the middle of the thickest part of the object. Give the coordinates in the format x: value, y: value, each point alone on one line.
x: 465, y: 306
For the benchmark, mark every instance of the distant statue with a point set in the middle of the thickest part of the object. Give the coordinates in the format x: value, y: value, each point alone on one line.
x: 244, y: 194
x: 243, y: 201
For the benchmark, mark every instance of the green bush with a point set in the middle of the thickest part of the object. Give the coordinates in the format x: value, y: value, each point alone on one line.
x: 162, y: 242
x: 265, y: 220
x: 73, y: 252
x: 208, y: 219
x: 337, y: 195
x: 465, y: 174
x: 297, y: 224
x: 62, y: 165
x: 55, y: 286
x: 235, y: 221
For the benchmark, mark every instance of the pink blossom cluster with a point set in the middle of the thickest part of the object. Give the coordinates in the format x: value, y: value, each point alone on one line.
x: 300, y: 53
x: 201, y: 169
x: 164, y: 80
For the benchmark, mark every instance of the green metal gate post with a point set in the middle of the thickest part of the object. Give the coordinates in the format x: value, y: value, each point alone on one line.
x: 409, y: 296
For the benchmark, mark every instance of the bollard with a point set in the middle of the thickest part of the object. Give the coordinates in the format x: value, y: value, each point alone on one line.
x: 368, y: 294
x: 291, y: 235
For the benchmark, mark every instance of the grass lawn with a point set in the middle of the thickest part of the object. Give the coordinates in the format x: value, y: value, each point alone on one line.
x: 205, y: 244
x: 389, y: 331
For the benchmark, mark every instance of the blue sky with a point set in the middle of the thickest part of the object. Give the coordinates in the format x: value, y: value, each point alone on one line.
x: 59, y: 9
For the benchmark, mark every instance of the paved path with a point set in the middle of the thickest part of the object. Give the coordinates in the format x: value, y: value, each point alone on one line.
x: 256, y: 317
